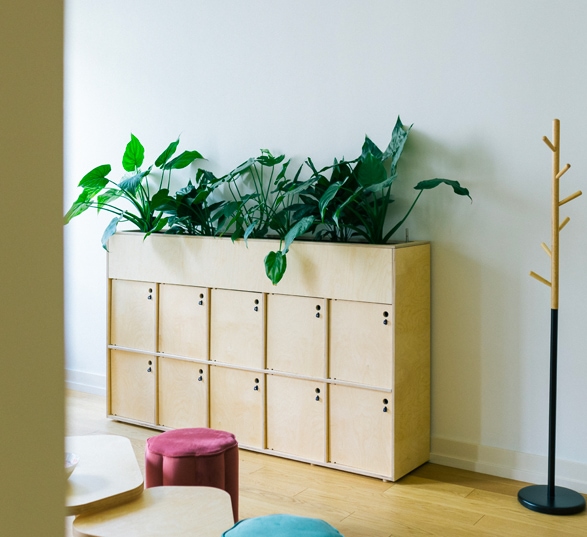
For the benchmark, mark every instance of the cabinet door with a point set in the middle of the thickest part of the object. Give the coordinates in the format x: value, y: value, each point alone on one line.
x: 183, y: 321
x: 132, y: 386
x: 182, y: 393
x: 237, y: 404
x: 237, y: 328
x: 296, y: 417
x: 296, y: 334
x: 133, y: 315
x: 360, y: 429
x: 361, y: 343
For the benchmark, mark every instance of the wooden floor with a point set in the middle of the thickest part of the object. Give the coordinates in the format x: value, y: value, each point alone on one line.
x: 432, y: 500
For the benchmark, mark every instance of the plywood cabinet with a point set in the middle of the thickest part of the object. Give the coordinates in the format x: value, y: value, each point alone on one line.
x: 296, y: 417
x: 237, y: 404
x: 331, y: 366
x: 182, y: 393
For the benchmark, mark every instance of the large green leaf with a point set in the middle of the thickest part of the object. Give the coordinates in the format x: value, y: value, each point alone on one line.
x: 369, y: 148
x: 433, y: 183
x: 167, y: 154
x: 396, y: 144
x: 78, y: 207
x: 183, y: 160
x: 327, y: 197
x: 110, y: 195
x: 297, y: 231
x: 267, y: 159
x: 110, y: 230
x: 370, y: 171
x: 275, y: 265
x: 130, y: 184
x: 95, y: 180
x: 134, y: 154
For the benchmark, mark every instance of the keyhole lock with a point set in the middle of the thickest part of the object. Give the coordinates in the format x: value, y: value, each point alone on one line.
x: 150, y: 297
x: 256, y: 388
x: 317, y: 390
x: 385, y: 315
x: 318, y: 311
x: 256, y: 308
x: 201, y: 378
x: 201, y: 301
x: 385, y: 402
x: 150, y: 362
x: 149, y: 370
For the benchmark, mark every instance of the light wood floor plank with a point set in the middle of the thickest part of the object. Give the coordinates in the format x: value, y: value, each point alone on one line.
x: 431, y: 501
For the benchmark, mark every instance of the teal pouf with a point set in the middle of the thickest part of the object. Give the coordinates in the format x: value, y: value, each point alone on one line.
x: 282, y: 526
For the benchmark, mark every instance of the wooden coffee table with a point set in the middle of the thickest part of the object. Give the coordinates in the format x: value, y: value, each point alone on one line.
x: 107, y: 473
x: 168, y: 511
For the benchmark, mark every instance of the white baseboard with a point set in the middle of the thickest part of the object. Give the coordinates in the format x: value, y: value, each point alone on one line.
x: 505, y: 463
x: 85, y: 382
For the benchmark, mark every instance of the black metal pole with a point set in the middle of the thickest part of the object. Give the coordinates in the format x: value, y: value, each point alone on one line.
x: 550, y: 499
x: 552, y: 400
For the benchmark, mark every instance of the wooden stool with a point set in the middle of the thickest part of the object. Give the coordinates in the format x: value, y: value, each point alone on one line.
x: 198, y: 456
x: 168, y: 511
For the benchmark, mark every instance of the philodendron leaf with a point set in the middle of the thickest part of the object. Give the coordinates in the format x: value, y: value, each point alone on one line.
x: 183, y: 160
x: 109, y: 231
x: 396, y: 144
x: 370, y: 171
x: 134, y: 154
x: 369, y: 147
x: 327, y: 197
x: 95, y: 180
x: 433, y: 183
x: 297, y: 231
x: 167, y: 154
x: 275, y: 265
x: 108, y: 196
x: 78, y: 207
x: 130, y: 184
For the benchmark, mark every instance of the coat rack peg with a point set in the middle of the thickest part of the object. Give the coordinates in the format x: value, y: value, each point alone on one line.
x: 550, y: 499
x: 563, y: 171
x: 570, y: 198
x: 564, y: 223
x: 548, y: 143
x: 540, y: 278
x: 546, y: 249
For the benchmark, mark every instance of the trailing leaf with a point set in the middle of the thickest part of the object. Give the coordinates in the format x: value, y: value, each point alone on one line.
x: 275, y: 266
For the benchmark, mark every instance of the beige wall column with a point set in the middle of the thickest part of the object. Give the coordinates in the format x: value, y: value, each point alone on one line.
x: 31, y: 268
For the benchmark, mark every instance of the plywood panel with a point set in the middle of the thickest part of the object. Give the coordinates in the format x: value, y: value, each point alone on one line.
x: 361, y: 343
x: 132, y: 386
x: 237, y: 328
x: 237, y: 404
x: 182, y: 393
x: 296, y: 417
x: 412, y: 358
x: 296, y: 334
x: 133, y: 315
x: 363, y: 271
x: 360, y: 430
x: 183, y: 321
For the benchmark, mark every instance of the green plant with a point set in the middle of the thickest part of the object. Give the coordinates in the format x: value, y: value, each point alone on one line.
x: 144, y: 199
x: 354, y: 201
x: 189, y: 211
x: 262, y: 196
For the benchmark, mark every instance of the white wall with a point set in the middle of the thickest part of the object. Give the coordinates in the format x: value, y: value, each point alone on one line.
x: 31, y: 269
x: 481, y: 81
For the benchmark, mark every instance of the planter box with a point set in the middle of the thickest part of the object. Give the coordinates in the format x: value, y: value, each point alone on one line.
x: 331, y: 366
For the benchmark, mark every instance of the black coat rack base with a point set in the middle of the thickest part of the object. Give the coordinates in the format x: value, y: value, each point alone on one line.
x: 563, y: 502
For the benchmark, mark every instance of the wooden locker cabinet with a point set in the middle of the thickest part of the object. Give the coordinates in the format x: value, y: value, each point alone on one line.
x: 296, y: 417
x: 132, y: 386
x: 296, y: 334
x: 331, y: 366
x: 237, y: 404
x: 236, y: 328
x: 182, y: 393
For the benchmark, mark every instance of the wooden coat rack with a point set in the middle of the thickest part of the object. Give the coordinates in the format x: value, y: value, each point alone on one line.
x: 549, y: 498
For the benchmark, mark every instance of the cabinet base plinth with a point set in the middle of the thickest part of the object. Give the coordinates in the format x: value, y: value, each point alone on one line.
x: 563, y: 502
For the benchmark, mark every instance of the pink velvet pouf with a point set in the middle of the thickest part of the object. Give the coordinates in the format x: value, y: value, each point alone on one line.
x: 203, y: 457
